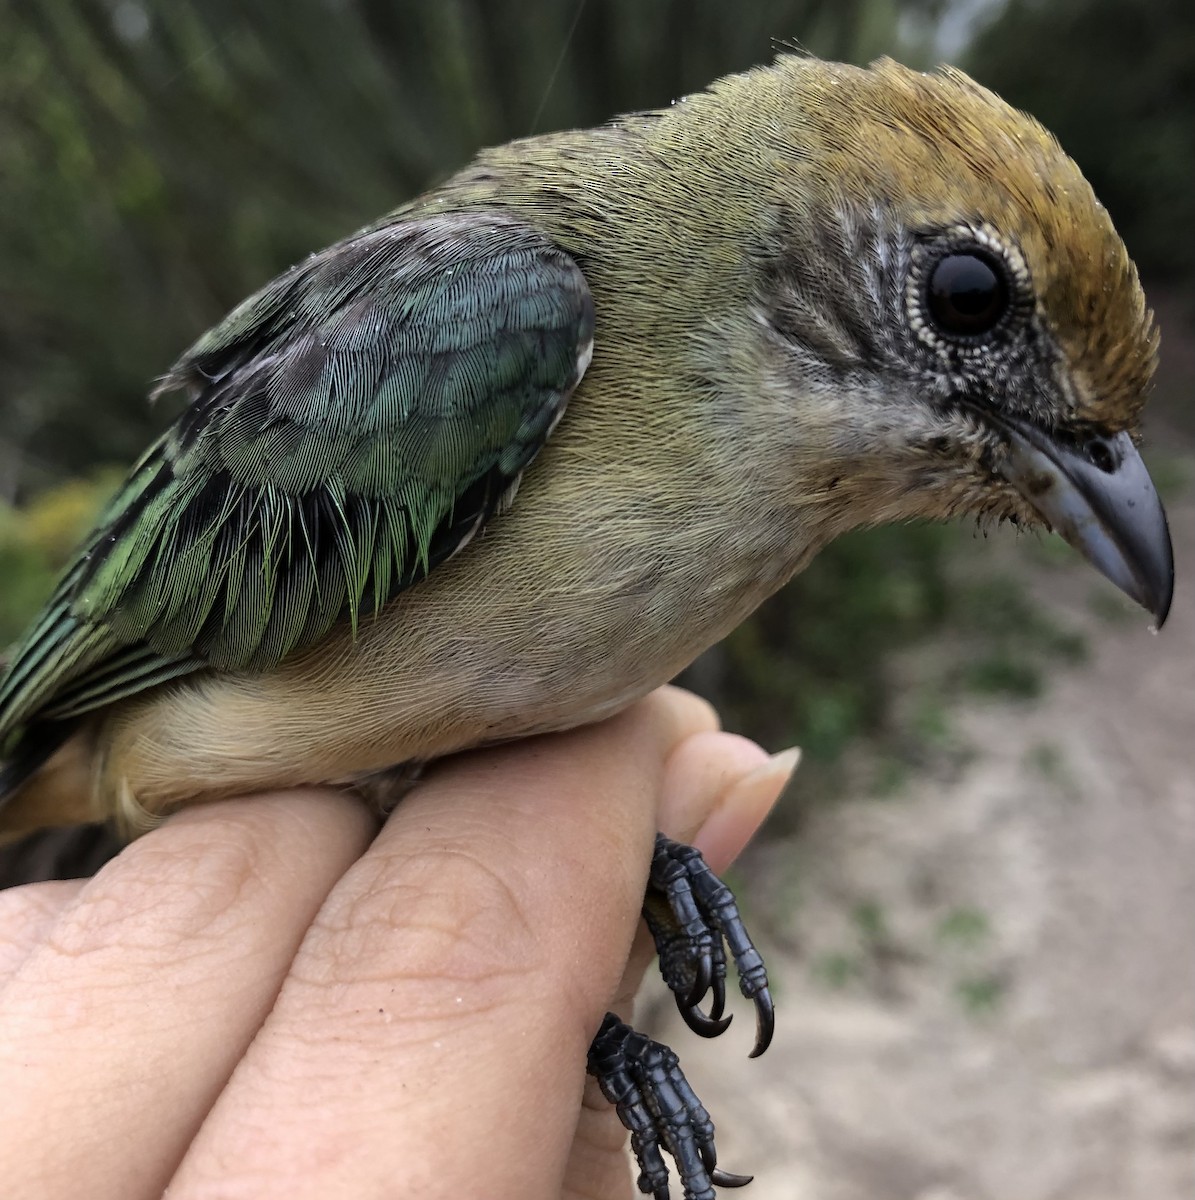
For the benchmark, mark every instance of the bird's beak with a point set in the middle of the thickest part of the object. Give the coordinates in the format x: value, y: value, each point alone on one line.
x: 1097, y: 494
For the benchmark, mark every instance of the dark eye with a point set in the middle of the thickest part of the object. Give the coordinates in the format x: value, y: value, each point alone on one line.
x: 967, y: 294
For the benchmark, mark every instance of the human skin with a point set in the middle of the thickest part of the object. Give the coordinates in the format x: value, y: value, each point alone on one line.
x: 408, y: 1014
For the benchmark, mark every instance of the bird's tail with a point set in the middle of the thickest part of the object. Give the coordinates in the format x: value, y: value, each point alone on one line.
x: 43, y: 779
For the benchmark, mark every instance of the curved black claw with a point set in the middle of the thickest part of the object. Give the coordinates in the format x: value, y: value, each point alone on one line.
x: 653, y: 1099
x: 693, y: 917
x: 765, y: 1023
x: 700, y: 1024
x: 719, y: 1005
x: 720, y: 1178
x: 703, y: 980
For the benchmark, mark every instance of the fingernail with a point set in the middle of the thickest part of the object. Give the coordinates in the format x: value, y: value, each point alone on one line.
x: 778, y: 770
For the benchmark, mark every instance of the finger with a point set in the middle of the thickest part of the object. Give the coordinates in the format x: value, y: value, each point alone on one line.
x: 27, y: 914
x: 120, y: 1028
x: 746, y: 781
x: 718, y: 789
x: 432, y: 1036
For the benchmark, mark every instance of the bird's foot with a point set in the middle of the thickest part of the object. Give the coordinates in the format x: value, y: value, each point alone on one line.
x: 693, y: 918
x: 653, y: 1099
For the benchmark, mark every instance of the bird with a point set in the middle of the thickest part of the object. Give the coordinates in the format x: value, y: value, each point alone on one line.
x: 516, y: 453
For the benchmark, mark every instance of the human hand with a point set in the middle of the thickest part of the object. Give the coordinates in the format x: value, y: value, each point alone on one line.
x: 263, y: 998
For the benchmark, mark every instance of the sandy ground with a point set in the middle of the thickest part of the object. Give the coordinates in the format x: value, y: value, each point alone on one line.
x: 986, y: 984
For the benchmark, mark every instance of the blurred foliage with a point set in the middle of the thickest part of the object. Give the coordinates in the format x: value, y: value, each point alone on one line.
x: 36, y: 541
x: 1116, y: 83
x: 163, y: 158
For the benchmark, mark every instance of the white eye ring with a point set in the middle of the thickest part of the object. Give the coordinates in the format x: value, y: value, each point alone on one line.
x: 980, y: 243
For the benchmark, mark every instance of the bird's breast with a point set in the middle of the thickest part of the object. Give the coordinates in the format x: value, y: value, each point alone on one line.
x: 636, y: 540
x: 565, y: 611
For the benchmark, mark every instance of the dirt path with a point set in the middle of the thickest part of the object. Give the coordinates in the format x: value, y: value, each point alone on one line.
x: 986, y: 985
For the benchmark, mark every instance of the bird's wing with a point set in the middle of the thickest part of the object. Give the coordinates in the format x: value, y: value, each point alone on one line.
x: 349, y: 427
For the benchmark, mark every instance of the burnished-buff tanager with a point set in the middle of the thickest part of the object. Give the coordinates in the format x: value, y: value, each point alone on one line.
x: 516, y: 453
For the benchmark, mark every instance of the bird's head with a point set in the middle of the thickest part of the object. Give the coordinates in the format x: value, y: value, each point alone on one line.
x: 936, y: 283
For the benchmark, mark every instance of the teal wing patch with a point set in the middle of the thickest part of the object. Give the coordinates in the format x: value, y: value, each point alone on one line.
x: 348, y: 427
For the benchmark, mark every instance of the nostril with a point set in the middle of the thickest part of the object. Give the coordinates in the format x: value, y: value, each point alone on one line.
x: 1103, y: 458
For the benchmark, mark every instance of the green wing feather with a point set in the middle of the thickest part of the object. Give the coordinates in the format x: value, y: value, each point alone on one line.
x: 349, y: 427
